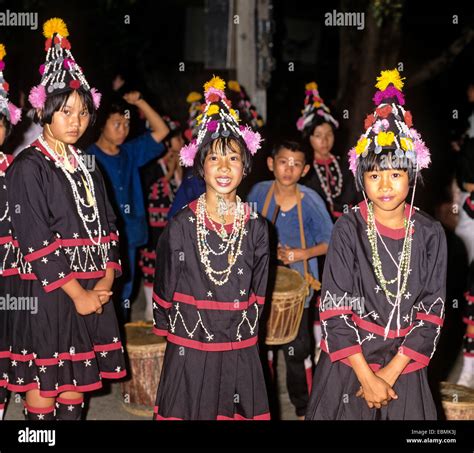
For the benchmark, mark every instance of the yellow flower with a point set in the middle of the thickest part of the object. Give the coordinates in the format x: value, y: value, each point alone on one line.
x: 55, y: 25
x: 234, y: 85
x: 385, y: 138
x: 199, y: 119
x: 234, y: 114
x: 317, y: 104
x: 3, y: 52
x: 194, y: 96
x: 389, y: 77
x: 311, y: 86
x: 362, y: 145
x: 407, y: 143
x: 213, y: 109
x: 215, y: 82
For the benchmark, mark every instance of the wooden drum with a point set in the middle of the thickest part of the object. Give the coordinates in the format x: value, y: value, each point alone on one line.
x: 145, y: 352
x: 457, y: 401
x: 287, y: 306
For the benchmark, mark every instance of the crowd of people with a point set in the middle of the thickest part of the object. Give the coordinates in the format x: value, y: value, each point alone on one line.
x: 78, y: 227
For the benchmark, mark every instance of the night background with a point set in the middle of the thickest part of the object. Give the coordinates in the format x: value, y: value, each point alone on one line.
x: 166, y: 49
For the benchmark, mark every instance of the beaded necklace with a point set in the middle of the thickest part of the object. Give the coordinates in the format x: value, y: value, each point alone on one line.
x: 88, y: 186
x: 231, y: 243
x: 326, y: 186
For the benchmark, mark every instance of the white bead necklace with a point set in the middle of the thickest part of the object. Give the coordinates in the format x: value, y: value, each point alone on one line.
x: 326, y: 186
x: 232, y: 241
x: 79, y: 201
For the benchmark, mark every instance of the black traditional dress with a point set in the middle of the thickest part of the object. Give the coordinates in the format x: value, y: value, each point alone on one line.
x: 53, y: 348
x: 160, y: 194
x: 357, y: 317
x: 211, y: 368
x: 329, y: 179
x: 5, y: 239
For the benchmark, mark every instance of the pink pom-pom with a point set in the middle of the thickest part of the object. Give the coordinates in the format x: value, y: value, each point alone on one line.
x: 37, y: 97
x: 41, y: 69
x: 252, y: 139
x: 353, y: 160
x: 381, y: 125
x: 187, y: 154
x: 215, y: 91
x: 423, y: 158
x: 390, y: 92
x: 15, y: 113
x: 300, y: 123
x: 96, y: 97
x: 2, y: 65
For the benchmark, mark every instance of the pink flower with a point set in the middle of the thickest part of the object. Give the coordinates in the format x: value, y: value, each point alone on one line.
x: 390, y: 92
x: 352, y: 160
x: 37, y: 96
x: 15, y: 113
x: 423, y: 158
x: 212, y: 125
x: 252, y: 140
x: 215, y: 91
x: 300, y: 123
x: 187, y: 154
x: 2, y: 65
x: 96, y: 97
x: 380, y: 125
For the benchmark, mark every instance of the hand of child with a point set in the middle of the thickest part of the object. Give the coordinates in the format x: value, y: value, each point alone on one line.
x: 288, y: 255
x: 91, y: 301
x: 468, y: 187
x: 132, y: 97
x: 106, y: 285
x: 376, y: 392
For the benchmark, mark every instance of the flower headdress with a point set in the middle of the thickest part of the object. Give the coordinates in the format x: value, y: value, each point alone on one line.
x: 314, y: 105
x: 11, y: 112
x: 248, y: 114
x: 218, y: 119
x: 60, y: 72
x: 390, y: 126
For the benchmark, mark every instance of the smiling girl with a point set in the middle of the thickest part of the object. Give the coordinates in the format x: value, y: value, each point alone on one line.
x: 382, y: 300
x: 66, y: 250
x: 211, y: 281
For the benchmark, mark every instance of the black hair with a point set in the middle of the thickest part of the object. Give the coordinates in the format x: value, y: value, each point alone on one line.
x: 55, y: 102
x: 110, y: 108
x: 222, y: 144
x: 384, y: 161
x: 171, y: 134
x: 294, y: 146
x: 318, y: 120
x: 6, y: 124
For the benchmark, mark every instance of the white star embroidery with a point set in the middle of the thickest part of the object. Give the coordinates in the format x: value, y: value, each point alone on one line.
x: 20, y: 380
x: 40, y: 416
x: 375, y: 316
x: 103, y: 354
x: 406, y: 318
x: 45, y: 243
x: 67, y: 250
x: 24, y: 351
x: 5, y: 376
x: 377, y: 289
x: 245, y: 232
x: 191, y: 219
x: 56, y: 355
x: 61, y: 363
x: 44, y: 260
x: 42, y: 369
x: 240, y: 271
x: 221, y: 246
x: 75, y: 268
x: 407, y: 295
x: 44, y: 282
x: 355, y: 208
x: 13, y: 363
x: 87, y: 363
x: 115, y: 340
x: 114, y: 243
x: 57, y: 252
x: 61, y: 275
x: 209, y: 294
x: 117, y: 369
x: 242, y: 292
x: 31, y: 249
x: 75, y: 235
x: 70, y: 408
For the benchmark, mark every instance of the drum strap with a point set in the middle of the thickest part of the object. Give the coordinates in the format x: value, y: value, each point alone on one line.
x: 315, y: 284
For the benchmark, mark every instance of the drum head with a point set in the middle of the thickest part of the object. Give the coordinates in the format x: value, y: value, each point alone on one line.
x: 287, y: 280
x: 140, y: 334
